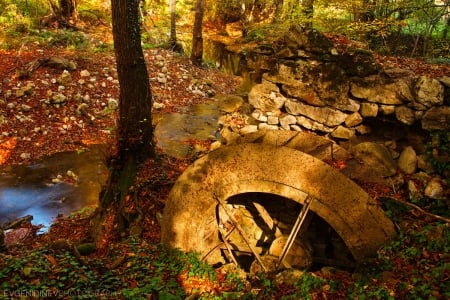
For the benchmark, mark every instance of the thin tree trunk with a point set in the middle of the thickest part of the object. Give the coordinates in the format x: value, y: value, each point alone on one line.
x: 197, y: 34
x: 308, y: 12
x: 173, y: 30
x: 173, y: 43
x: 278, y: 10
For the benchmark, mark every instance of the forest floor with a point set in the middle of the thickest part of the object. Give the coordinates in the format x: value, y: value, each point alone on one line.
x: 34, y: 125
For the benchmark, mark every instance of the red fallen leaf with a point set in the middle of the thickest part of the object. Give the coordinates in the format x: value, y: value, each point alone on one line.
x: 337, y: 164
x: 9, y: 144
x: 5, y: 149
x: 51, y: 259
x: 133, y: 284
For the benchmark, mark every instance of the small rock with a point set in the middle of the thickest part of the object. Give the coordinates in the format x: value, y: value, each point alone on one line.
x: 265, y: 126
x: 368, y: 109
x: 113, y: 104
x: 86, y: 98
x: 85, y: 73
x: 82, y: 109
x: 273, y: 120
x: 387, y: 109
x: 26, y: 90
x: 161, y: 77
x: 248, y: 129
x: 77, y: 97
x: 228, y: 135
x: 157, y: 105
x: 435, y: 189
x: 407, y: 161
x: 25, y: 155
x: 287, y: 119
x: 296, y: 128
x: 59, y: 98
x: 342, y: 132
x: 353, y: 120
x: 259, y: 115
x: 25, y: 107
x: 65, y: 78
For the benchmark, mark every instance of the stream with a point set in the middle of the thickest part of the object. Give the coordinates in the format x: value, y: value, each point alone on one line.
x: 35, y: 189
x: 30, y: 190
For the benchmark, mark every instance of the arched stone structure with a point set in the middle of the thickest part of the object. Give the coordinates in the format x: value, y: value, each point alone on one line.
x: 189, y: 221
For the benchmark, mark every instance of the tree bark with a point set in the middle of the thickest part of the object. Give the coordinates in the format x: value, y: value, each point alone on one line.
x: 278, y: 10
x: 135, y: 132
x: 173, y: 43
x: 197, y: 34
x: 308, y: 12
x: 173, y: 30
x: 68, y: 9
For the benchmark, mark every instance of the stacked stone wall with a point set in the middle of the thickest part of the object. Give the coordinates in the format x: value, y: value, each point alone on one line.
x: 316, y: 87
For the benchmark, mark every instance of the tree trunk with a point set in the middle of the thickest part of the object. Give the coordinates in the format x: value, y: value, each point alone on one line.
x: 135, y: 132
x: 278, y: 10
x: 197, y: 34
x: 68, y: 9
x: 446, y: 28
x: 308, y: 12
x: 173, y: 43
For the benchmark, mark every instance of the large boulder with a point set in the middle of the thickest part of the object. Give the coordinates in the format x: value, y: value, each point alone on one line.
x: 428, y: 92
x: 374, y: 89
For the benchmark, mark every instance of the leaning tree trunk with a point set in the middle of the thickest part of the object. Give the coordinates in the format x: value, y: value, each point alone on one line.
x: 135, y: 132
x: 197, y: 35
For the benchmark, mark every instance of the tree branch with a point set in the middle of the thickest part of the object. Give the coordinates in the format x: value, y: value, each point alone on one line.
x: 418, y: 208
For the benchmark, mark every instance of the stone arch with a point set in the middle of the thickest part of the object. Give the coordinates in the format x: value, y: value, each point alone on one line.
x: 189, y: 221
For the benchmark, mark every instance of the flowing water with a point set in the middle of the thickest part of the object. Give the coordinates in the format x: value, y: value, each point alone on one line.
x: 30, y: 190
x: 35, y: 190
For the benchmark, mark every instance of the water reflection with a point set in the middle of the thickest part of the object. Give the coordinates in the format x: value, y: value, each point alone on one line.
x: 28, y: 190
x: 197, y: 122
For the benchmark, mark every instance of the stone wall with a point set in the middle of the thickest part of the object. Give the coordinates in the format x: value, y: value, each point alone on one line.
x: 319, y: 88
